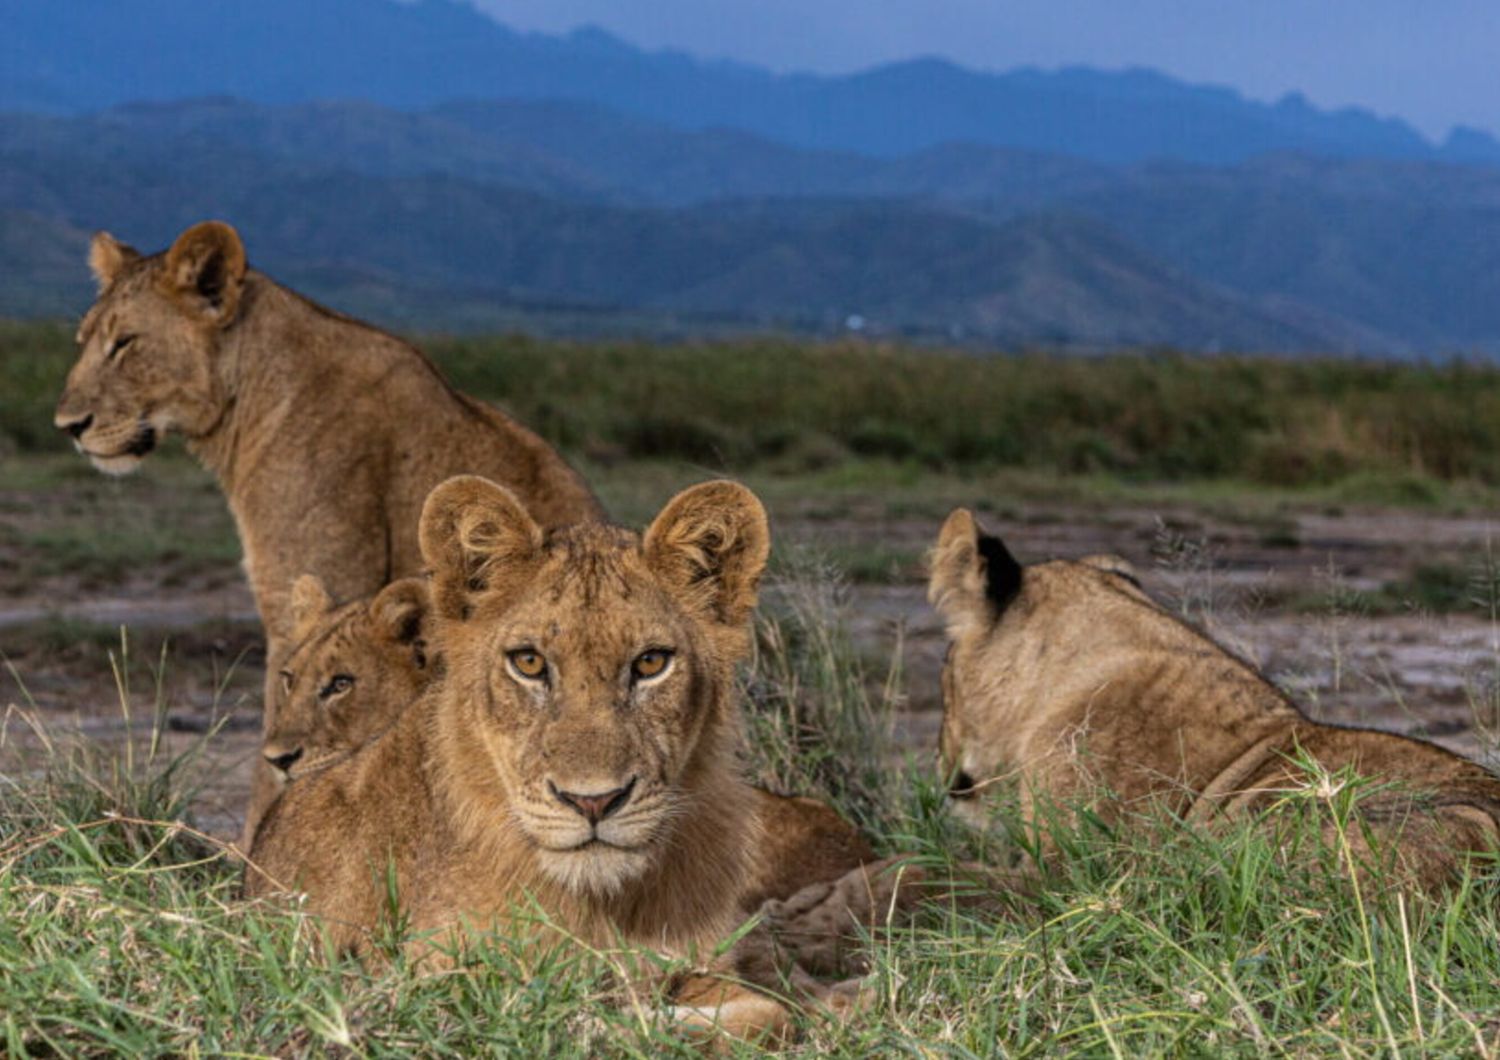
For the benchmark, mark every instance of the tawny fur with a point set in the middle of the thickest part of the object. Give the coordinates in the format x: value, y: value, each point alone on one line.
x: 381, y: 647
x: 325, y: 434
x: 351, y: 670
x: 1080, y: 688
x: 457, y: 799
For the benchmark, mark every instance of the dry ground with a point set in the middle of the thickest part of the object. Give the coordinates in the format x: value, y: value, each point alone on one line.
x: 1368, y: 616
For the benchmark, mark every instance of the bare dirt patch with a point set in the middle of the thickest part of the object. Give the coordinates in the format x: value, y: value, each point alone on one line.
x: 1367, y: 616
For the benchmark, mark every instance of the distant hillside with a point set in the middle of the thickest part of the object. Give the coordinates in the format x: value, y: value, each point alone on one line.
x: 459, y: 214
x: 68, y: 55
x: 441, y: 251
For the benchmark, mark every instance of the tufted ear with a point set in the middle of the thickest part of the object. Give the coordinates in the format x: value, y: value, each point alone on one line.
x: 108, y: 257
x: 711, y: 543
x: 973, y: 575
x: 310, y: 602
x: 474, y: 536
x: 205, y: 271
x: 399, y: 612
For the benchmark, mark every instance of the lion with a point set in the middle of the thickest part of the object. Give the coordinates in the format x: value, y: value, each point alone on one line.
x: 1067, y: 680
x: 576, y: 756
x: 354, y: 667
x: 351, y: 670
x: 324, y: 432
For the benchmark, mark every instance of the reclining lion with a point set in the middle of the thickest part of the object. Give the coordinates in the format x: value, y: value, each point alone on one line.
x: 353, y: 668
x: 1067, y: 680
x: 577, y: 752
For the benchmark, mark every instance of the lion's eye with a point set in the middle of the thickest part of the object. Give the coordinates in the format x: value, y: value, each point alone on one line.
x: 337, y: 685
x: 649, y: 664
x: 528, y: 663
x: 118, y: 346
x: 286, y: 681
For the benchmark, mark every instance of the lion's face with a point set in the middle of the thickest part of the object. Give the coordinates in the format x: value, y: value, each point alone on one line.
x: 1003, y: 624
x: 590, y: 666
x: 147, y: 347
x: 353, y: 671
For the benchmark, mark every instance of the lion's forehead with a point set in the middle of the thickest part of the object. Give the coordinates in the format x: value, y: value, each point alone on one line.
x: 584, y: 596
x: 609, y: 629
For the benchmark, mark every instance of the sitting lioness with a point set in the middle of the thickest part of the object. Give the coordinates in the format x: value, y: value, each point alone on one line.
x: 1065, y: 679
x: 354, y: 668
x: 325, y: 433
x: 577, y: 752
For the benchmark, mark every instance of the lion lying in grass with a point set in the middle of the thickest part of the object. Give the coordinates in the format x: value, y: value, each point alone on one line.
x: 577, y: 753
x: 1067, y: 680
x: 353, y: 669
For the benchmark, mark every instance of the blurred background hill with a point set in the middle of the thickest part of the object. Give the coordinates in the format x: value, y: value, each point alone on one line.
x: 425, y: 165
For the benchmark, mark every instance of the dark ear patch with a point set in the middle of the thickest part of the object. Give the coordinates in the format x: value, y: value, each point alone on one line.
x: 205, y: 268
x: 1002, y: 574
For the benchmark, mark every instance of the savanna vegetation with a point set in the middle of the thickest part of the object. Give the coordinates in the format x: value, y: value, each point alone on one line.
x: 1380, y: 432
x: 122, y: 931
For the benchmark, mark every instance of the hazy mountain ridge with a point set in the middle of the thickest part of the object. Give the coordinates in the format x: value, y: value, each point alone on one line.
x: 925, y: 197
x: 438, y: 250
x: 1294, y: 252
x: 83, y: 55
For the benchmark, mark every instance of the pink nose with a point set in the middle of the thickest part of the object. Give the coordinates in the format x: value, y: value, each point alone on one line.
x: 593, y: 808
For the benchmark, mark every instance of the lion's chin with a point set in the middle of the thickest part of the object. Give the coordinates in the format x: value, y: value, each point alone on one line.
x: 596, y: 869
x: 127, y: 459
x: 120, y: 464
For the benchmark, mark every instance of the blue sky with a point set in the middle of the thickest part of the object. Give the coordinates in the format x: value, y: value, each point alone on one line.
x: 1432, y: 62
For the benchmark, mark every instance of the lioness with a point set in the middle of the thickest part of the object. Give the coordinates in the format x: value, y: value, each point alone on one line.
x: 325, y: 433
x: 1066, y: 678
x: 578, y: 751
x: 354, y: 668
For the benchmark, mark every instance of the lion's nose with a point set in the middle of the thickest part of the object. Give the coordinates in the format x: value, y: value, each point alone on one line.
x: 75, y: 427
x: 284, y: 760
x: 593, y: 808
x: 962, y: 786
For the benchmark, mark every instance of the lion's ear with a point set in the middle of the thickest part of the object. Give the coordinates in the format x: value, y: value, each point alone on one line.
x: 710, y: 543
x: 108, y: 257
x: 473, y: 535
x: 1112, y: 564
x: 400, y: 609
x: 310, y: 602
x: 205, y: 271
x: 974, y: 576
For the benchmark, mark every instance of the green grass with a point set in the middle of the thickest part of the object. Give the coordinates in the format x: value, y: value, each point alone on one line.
x: 122, y: 933
x: 1340, y: 431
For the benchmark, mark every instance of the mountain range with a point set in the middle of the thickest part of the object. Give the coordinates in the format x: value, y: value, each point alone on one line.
x: 71, y: 55
x: 487, y: 176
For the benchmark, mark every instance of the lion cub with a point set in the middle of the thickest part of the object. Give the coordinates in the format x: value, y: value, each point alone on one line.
x: 1066, y: 679
x: 350, y: 672
x: 576, y: 754
x: 355, y: 667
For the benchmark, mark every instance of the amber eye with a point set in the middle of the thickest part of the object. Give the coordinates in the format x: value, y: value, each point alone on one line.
x: 649, y: 664
x: 528, y: 662
x: 337, y: 685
